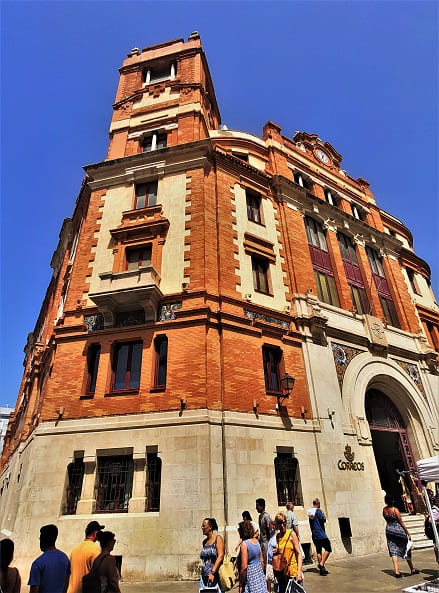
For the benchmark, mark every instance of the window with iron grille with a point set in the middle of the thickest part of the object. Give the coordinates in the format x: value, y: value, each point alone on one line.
x: 93, y: 355
x: 153, y: 481
x: 127, y: 362
x: 382, y: 287
x: 253, y: 206
x: 161, y: 361
x: 321, y: 262
x: 146, y: 195
x: 353, y: 274
x: 75, y: 477
x: 114, y: 483
x: 271, y: 357
x: 288, y: 487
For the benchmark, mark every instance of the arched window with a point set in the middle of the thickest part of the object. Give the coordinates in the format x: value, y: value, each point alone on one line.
x: 75, y: 477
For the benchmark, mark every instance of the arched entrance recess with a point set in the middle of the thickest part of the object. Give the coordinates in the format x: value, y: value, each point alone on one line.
x: 392, y: 449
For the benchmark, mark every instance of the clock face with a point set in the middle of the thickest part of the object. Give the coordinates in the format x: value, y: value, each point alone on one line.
x: 322, y: 156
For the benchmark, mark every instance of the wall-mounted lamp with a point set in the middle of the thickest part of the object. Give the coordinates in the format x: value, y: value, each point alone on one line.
x: 255, y: 406
x: 287, y: 383
x: 303, y: 411
x: 183, y: 403
x: 331, y: 413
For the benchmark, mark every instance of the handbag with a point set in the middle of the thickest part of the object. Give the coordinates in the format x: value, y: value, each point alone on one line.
x: 295, y: 586
x: 227, y: 574
x: 91, y: 582
x: 280, y: 563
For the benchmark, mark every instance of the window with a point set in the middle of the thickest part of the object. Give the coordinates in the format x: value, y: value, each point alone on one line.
x: 413, y: 282
x: 382, y: 287
x: 271, y: 358
x: 154, y: 142
x: 114, y: 483
x: 241, y: 156
x: 127, y: 362
x: 353, y: 274
x: 160, y: 72
x: 161, y: 361
x: 321, y: 261
x: 138, y: 257
x: 93, y: 355
x: 153, y: 482
x: 75, y: 477
x: 358, y: 212
x: 331, y: 197
x: 260, y: 274
x: 301, y: 180
x: 286, y: 470
x: 146, y: 195
x: 253, y: 206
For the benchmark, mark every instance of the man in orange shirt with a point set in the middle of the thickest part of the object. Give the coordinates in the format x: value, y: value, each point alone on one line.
x: 83, y: 556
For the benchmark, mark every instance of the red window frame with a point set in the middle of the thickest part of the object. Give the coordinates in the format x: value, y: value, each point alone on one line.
x: 146, y: 195
x: 126, y: 366
x: 160, y: 362
x: 141, y: 255
x: 253, y: 207
x: 271, y: 359
x: 382, y: 287
x: 353, y: 274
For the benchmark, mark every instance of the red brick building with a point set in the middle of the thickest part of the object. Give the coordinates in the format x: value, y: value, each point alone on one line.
x: 200, y: 267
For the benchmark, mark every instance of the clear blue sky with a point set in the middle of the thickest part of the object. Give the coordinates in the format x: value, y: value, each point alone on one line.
x: 362, y: 75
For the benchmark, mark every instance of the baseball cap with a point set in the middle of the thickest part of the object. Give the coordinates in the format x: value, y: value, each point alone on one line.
x: 93, y: 526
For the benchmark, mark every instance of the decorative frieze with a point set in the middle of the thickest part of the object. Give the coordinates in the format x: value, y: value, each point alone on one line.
x: 342, y: 357
x: 267, y: 318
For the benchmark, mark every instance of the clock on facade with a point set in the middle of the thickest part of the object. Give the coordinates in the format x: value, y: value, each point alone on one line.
x: 322, y: 156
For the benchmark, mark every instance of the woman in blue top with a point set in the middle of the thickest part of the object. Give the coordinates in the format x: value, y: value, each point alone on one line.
x: 251, y: 576
x: 212, y: 554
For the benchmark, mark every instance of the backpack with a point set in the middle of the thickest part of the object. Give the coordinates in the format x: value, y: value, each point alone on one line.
x: 91, y: 582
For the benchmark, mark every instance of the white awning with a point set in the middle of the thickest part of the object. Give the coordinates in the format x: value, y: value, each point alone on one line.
x: 428, y: 469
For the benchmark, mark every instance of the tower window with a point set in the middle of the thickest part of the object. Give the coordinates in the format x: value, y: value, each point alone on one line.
x: 93, y: 356
x: 413, y: 282
x: 158, y: 72
x: 358, y: 212
x: 154, y: 142
x: 260, y: 274
x: 271, y: 357
x: 127, y: 362
x: 146, y: 195
x: 138, y: 257
x: 301, y: 180
x: 253, y: 206
x: 161, y: 362
x: 331, y: 197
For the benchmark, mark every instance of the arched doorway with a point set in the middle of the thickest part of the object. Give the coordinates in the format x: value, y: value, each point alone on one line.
x: 393, y: 453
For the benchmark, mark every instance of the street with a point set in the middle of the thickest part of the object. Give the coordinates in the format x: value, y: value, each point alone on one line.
x: 366, y: 574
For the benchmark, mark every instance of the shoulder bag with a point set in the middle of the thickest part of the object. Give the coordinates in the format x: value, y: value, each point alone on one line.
x: 280, y: 563
x: 227, y: 573
x: 91, y: 582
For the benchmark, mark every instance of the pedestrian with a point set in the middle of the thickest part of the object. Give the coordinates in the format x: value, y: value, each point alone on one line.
x: 265, y: 530
x: 428, y: 524
x: 50, y: 572
x: 247, y: 517
x: 83, y: 556
x: 272, y: 544
x: 291, y: 518
x: 212, y: 554
x: 10, y: 580
x: 251, y: 574
x: 397, y: 536
x: 321, y: 541
x: 287, y: 547
x: 105, y: 564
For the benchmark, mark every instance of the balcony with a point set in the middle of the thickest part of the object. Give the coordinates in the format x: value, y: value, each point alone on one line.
x: 128, y: 290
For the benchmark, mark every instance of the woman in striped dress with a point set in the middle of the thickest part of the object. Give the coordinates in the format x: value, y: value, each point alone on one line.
x: 251, y: 576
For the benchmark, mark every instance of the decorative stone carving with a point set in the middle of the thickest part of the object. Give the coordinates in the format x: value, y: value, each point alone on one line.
x: 376, y: 333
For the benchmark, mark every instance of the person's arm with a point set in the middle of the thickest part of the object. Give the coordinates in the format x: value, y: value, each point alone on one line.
x: 401, y: 522
x: 17, y: 585
x: 34, y: 578
x: 298, y: 553
x: 244, y: 564
x: 112, y: 574
x: 219, y: 544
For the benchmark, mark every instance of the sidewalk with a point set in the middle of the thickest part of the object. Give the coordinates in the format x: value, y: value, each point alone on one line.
x: 367, y: 574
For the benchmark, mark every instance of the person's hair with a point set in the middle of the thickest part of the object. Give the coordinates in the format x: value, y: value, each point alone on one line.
x: 6, y: 555
x: 389, y: 500
x: 279, y: 518
x: 104, y: 537
x: 316, y: 501
x: 246, y: 529
x: 246, y: 515
x: 48, y: 535
x: 261, y: 502
x: 212, y: 522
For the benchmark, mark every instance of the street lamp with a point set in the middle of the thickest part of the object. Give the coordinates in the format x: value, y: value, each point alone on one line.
x: 287, y: 383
